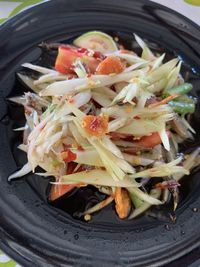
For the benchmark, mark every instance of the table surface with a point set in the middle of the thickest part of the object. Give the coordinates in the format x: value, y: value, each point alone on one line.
x: 189, y: 8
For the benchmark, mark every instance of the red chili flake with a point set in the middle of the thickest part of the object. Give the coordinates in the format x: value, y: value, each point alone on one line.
x: 167, y: 185
x: 95, y: 125
x: 80, y: 148
x: 82, y: 50
x: 67, y: 155
x: 70, y: 77
x: 112, y: 87
x: 98, y: 55
x: 136, y: 118
x: 135, y: 100
x: 71, y: 101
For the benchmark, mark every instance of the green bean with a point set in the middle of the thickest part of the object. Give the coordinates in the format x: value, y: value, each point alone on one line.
x: 180, y: 90
x: 185, y: 99
x: 182, y: 107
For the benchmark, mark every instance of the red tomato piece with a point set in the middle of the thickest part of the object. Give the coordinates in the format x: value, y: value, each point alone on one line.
x: 150, y: 141
x: 57, y: 190
x: 67, y: 155
x: 67, y: 56
x: 110, y: 65
x: 95, y: 125
x: 145, y: 142
x: 90, y: 63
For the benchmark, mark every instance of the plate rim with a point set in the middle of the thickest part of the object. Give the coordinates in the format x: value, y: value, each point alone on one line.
x: 16, y: 256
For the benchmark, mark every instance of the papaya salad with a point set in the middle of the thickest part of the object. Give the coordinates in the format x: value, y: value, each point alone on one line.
x: 106, y: 117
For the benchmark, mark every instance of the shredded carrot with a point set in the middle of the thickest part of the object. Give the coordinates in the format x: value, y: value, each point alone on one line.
x: 164, y: 101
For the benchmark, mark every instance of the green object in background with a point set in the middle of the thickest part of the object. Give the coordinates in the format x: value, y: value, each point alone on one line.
x: 182, y: 107
x: 193, y: 2
x: 180, y: 90
x: 5, y: 261
x: 22, y: 5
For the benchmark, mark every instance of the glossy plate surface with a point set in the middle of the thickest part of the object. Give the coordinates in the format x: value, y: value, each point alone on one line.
x: 37, y: 234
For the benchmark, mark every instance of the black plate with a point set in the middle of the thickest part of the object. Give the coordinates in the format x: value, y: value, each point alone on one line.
x: 37, y: 234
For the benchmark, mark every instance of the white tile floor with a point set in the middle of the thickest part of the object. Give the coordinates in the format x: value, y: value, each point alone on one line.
x: 6, y: 8
x: 190, y: 11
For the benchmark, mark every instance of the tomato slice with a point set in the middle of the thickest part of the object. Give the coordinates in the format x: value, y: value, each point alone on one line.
x: 90, y: 63
x: 95, y: 125
x: 58, y: 191
x: 67, y: 56
x: 150, y: 141
x: 67, y: 155
x: 110, y: 65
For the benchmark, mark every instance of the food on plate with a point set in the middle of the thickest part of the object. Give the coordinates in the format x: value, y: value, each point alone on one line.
x: 107, y: 117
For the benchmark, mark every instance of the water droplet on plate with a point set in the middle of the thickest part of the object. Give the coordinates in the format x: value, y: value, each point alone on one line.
x: 76, y: 236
